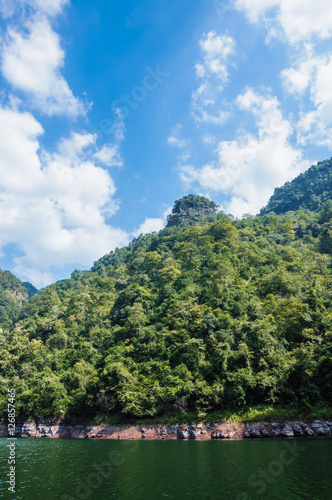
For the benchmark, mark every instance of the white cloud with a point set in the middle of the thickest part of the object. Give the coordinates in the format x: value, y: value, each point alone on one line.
x: 215, y: 49
x: 49, y: 7
x: 149, y: 225
x: 297, y: 78
x: 209, y: 139
x: 110, y: 156
x: 212, y: 71
x: 250, y: 167
x: 53, y: 206
x: 153, y: 224
x: 175, y: 140
x: 298, y: 20
x: 7, y: 9
x: 32, y: 61
x: 74, y: 146
x: 303, y: 24
x: 312, y: 73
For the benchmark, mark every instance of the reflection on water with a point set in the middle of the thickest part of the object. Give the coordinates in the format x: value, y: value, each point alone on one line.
x: 141, y: 470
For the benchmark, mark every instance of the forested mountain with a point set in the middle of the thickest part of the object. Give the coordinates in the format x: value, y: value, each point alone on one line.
x: 12, y: 296
x: 309, y: 190
x: 210, y: 314
x: 190, y: 210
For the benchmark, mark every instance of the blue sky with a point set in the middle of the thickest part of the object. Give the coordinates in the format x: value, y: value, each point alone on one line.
x: 110, y: 111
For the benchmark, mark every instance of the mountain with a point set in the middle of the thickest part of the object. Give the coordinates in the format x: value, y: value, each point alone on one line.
x: 309, y: 190
x: 12, y: 296
x: 209, y: 315
x: 31, y: 290
x: 190, y: 210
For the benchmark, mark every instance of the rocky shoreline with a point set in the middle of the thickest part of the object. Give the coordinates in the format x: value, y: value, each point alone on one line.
x: 275, y: 428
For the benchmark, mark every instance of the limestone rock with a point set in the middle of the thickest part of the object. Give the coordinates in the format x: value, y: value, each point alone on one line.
x: 255, y: 433
x: 182, y: 433
x: 297, y: 430
x: 320, y: 428
x: 217, y: 435
x: 29, y: 429
x: 287, y: 431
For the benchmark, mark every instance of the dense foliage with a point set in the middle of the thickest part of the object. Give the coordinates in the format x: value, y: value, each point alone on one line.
x: 31, y: 290
x: 216, y: 315
x: 12, y: 295
x: 309, y: 190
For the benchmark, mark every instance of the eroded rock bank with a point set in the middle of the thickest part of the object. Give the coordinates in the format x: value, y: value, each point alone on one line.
x: 275, y: 428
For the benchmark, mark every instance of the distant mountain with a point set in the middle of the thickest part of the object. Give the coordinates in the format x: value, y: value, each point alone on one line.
x: 309, y: 190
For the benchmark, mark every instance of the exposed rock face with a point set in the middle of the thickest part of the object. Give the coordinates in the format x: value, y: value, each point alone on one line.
x: 182, y: 434
x: 53, y: 428
x: 320, y: 428
x: 287, y: 431
x: 297, y: 430
x: 217, y: 435
x: 280, y: 429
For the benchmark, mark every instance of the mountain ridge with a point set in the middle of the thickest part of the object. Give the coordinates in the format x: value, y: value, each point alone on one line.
x: 309, y: 190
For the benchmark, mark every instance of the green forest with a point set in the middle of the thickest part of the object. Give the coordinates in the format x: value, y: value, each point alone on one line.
x: 211, y: 316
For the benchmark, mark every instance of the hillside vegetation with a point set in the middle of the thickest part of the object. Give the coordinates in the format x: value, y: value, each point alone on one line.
x: 309, y: 190
x: 13, y: 294
x: 209, y: 315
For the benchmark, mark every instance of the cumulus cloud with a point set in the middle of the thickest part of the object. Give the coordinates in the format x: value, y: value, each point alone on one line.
x: 297, y: 20
x: 304, y: 25
x: 215, y: 51
x: 312, y: 74
x: 212, y: 72
x: 149, y: 226
x: 53, y: 206
x: 48, y: 7
x: 298, y: 77
x: 251, y: 166
x: 315, y: 124
x: 152, y: 224
x: 32, y: 62
x: 109, y: 156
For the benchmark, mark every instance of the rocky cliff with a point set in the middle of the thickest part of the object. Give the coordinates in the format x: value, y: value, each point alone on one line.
x: 275, y: 428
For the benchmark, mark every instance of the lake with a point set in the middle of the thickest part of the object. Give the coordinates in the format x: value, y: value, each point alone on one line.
x: 68, y: 469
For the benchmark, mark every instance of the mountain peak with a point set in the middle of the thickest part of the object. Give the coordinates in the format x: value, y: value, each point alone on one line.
x: 190, y: 209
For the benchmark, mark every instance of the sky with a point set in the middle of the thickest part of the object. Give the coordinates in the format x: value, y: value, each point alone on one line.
x: 110, y: 111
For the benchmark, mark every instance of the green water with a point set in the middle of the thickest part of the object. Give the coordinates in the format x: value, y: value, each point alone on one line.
x: 68, y: 469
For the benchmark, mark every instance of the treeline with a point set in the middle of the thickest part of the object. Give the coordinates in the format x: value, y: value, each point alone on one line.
x: 201, y: 317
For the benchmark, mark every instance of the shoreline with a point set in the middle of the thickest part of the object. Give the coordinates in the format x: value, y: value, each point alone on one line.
x: 275, y: 428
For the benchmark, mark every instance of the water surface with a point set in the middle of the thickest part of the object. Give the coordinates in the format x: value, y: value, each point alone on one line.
x: 69, y: 469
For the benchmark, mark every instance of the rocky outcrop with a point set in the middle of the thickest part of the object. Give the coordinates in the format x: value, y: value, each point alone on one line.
x: 276, y: 428
x: 320, y: 428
